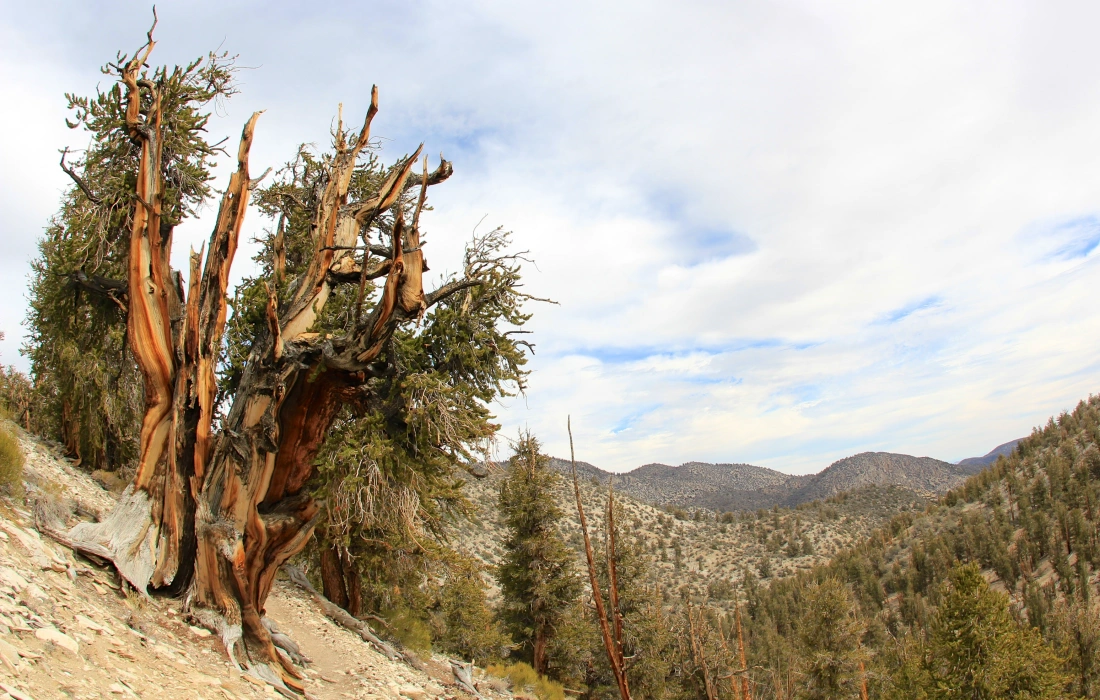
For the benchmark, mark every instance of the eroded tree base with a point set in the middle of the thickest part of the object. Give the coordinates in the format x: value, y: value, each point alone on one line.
x: 127, y: 538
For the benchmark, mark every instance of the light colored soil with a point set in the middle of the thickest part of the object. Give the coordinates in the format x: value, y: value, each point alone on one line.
x: 68, y: 630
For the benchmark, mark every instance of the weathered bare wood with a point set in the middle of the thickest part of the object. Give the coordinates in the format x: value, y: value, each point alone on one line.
x: 597, y: 596
x: 463, y: 673
x: 612, y: 575
x: 741, y: 652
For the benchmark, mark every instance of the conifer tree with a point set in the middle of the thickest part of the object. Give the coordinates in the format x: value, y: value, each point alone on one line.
x: 977, y: 651
x: 471, y: 632
x: 87, y: 383
x: 233, y: 420
x: 829, y: 632
x: 537, y: 576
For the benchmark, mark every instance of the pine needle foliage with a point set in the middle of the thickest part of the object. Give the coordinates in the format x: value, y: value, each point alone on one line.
x: 537, y: 577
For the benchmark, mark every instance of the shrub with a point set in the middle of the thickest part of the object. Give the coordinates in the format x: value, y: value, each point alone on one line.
x: 523, y: 678
x: 410, y: 630
x: 11, y: 462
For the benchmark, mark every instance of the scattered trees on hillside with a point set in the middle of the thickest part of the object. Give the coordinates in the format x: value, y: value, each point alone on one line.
x: 1029, y: 523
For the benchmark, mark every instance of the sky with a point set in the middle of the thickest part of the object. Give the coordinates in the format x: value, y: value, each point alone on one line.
x: 778, y: 233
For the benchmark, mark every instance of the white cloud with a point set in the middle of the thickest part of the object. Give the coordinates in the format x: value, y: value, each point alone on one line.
x: 780, y: 233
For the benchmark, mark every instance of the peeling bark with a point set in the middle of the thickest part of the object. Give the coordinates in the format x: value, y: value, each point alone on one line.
x: 214, y: 515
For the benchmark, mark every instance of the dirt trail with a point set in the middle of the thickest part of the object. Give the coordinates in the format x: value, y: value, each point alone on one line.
x: 68, y: 630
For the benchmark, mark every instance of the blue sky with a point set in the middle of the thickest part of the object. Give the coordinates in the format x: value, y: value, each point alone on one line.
x: 780, y: 233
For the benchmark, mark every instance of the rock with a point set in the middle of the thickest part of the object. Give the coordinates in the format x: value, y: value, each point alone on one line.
x: 199, y: 631
x: 13, y: 579
x: 88, y: 623
x: 52, y: 634
x: 10, y: 656
x: 15, y: 692
x: 413, y: 693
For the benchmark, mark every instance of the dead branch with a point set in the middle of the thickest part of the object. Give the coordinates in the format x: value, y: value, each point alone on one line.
x: 77, y: 179
x: 464, y: 677
x: 255, y: 182
x: 741, y: 651
x: 433, y: 298
x: 613, y: 578
x: 114, y: 290
x: 597, y: 596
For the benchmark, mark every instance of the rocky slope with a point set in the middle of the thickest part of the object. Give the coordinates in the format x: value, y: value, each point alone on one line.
x: 69, y: 630
x: 976, y: 464
x: 923, y: 475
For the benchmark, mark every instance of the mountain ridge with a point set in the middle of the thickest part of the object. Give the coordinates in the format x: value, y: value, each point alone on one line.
x: 731, y: 486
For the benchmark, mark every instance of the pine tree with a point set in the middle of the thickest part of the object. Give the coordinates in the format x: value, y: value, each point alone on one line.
x: 471, y: 632
x: 87, y: 383
x: 829, y: 632
x: 537, y: 576
x: 977, y: 651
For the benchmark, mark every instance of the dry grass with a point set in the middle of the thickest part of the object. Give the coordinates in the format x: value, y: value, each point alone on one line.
x: 11, y: 462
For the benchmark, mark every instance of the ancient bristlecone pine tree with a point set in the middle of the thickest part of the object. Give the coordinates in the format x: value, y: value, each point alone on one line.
x: 213, y: 514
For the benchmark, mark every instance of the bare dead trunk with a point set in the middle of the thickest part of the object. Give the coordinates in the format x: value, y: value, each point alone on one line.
x: 741, y: 652
x: 612, y: 644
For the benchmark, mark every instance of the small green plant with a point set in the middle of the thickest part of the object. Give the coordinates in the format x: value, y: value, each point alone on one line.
x: 410, y: 630
x: 11, y: 462
x: 524, y: 679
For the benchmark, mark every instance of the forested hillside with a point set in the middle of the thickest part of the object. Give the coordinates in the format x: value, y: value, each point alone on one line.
x: 1028, y: 524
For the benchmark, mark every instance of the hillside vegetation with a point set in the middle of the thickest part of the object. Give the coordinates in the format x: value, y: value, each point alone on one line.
x: 699, y: 552
x: 1028, y: 524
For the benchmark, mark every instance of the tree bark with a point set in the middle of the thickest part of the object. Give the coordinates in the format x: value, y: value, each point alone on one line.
x: 340, y: 580
x: 214, y: 515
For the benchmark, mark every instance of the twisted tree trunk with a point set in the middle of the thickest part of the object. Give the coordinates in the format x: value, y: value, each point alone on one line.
x: 213, y: 515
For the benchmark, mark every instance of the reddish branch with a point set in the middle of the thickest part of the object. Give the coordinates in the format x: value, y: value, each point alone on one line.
x: 613, y: 645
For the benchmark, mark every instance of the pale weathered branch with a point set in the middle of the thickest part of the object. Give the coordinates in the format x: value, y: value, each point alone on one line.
x: 433, y: 298
x: 362, y: 210
x: 339, y: 615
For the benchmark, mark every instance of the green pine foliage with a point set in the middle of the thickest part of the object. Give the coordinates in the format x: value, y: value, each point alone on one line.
x: 976, y: 649
x: 538, y: 578
x: 471, y: 631
x: 88, y: 389
x: 828, y: 641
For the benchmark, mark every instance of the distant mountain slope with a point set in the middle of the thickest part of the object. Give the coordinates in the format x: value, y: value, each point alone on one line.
x: 973, y: 465
x: 720, y: 487
x: 731, y: 487
x: 923, y: 475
